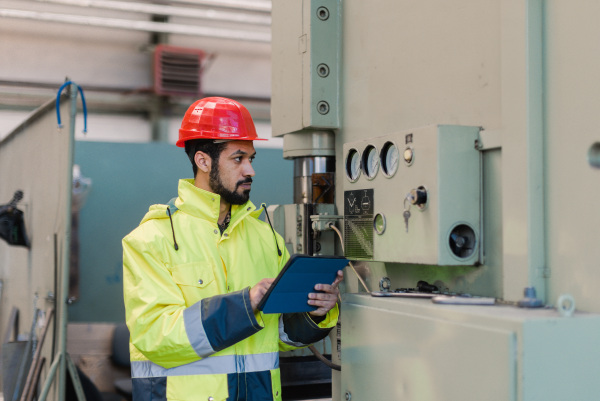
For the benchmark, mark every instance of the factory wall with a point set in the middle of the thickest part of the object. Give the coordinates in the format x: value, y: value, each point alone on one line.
x: 126, y: 179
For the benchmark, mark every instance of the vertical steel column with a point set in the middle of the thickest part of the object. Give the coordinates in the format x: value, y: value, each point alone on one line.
x: 536, y: 150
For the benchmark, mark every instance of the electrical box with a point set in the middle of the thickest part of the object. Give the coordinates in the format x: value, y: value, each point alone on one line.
x: 305, y: 72
x: 414, y: 197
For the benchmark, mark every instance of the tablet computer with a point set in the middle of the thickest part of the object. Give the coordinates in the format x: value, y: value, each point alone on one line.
x: 289, y: 292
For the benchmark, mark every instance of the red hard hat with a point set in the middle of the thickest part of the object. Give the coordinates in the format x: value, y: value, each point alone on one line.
x: 217, y: 118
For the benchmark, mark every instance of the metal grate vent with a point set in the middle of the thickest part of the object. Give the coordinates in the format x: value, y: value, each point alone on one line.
x: 358, y: 223
x: 358, y: 238
x: 177, y: 71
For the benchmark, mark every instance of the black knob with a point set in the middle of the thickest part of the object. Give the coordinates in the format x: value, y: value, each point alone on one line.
x: 418, y: 196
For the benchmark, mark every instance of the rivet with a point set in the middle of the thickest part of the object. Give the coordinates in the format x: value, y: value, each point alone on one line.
x: 216, y: 231
x: 211, y: 399
x: 200, y: 281
x: 213, y: 199
x: 248, y: 209
x: 227, y: 235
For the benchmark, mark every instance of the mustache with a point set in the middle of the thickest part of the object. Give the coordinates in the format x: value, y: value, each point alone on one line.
x: 247, y: 180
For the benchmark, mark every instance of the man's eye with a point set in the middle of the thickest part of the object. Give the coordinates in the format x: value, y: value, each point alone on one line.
x: 252, y: 159
x: 238, y: 159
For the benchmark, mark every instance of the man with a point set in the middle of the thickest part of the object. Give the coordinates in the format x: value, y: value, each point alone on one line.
x: 196, y: 269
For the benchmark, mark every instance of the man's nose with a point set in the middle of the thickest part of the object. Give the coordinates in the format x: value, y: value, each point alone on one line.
x: 248, y: 170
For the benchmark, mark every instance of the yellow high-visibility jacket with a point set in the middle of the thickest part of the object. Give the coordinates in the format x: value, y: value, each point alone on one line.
x: 194, y: 335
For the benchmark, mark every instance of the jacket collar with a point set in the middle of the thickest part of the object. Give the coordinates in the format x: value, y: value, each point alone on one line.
x: 205, y: 205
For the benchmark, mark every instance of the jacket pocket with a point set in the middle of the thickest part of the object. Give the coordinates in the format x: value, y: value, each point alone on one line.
x: 196, y: 280
x: 197, y: 387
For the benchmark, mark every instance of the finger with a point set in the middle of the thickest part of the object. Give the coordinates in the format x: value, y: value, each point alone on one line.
x: 322, y: 296
x: 331, y: 289
x: 339, y: 278
x: 267, y: 281
x: 327, y: 305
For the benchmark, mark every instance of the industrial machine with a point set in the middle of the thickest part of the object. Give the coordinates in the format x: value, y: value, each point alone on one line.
x: 450, y: 150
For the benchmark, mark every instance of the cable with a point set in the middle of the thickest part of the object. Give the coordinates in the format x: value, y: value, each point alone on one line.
x: 321, y: 358
x: 82, y: 104
x: 334, y: 228
x: 264, y: 206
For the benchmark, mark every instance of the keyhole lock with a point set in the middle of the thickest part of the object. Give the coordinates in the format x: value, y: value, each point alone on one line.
x: 419, y: 197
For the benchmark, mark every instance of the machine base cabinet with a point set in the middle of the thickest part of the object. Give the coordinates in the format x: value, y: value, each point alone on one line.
x: 412, y: 349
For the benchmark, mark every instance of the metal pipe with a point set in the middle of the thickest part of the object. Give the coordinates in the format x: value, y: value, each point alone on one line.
x: 536, y: 151
x: 61, y: 300
x: 145, y: 26
x: 304, y: 168
x: 263, y: 6
x: 213, y: 15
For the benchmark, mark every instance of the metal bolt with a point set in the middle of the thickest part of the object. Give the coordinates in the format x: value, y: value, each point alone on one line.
x: 348, y: 396
x: 323, y: 107
x: 323, y: 13
x: 323, y: 70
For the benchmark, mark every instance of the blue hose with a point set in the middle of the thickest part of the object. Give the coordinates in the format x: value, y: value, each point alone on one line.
x: 82, y: 103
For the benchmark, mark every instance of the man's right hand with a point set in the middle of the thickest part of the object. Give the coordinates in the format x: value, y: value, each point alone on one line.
x: 259, y: 290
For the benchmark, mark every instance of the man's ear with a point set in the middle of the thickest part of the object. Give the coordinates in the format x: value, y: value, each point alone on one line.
x: 203, y: 161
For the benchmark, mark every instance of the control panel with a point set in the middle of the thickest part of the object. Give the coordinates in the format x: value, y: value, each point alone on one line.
x: 414, y: 197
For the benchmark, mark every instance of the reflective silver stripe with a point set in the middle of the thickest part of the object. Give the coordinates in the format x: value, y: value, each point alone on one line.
x: 192, y: 319
x: 210, y: 366
x: 284, y: 337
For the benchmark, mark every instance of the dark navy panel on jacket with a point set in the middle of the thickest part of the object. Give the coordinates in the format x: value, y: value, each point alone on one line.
x: 228, y: 319
x: 150, y: 389
x: 301, y: 328
x: 251, y: 386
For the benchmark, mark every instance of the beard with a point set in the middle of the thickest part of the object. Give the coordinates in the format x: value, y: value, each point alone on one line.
x: 231, y: 197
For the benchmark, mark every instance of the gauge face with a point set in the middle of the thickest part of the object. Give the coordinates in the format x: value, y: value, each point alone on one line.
x: 370, y: 161
x: 353, y: 165
x: 390, y: 156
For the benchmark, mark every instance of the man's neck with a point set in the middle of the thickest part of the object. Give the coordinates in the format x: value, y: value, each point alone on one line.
x: 223, y: 210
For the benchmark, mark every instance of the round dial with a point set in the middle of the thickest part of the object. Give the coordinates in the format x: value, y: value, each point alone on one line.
x: 370, y: 161
x: 390, y: 157
x: 353, y: 165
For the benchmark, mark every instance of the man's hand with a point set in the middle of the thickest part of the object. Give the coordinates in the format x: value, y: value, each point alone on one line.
x: 326, y: 299
x: 259, y: 290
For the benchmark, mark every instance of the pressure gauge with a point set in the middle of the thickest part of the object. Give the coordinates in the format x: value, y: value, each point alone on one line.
x: 370, y: 161
x: 390, y: 157
x: 353, y: 165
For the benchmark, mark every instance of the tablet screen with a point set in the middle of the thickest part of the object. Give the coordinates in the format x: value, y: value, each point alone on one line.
x: 289, y: 292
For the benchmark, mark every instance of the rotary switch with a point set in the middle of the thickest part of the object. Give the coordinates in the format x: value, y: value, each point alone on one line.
x: 418, y: 197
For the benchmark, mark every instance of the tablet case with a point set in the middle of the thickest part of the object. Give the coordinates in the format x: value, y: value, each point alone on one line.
x: 289, y: 292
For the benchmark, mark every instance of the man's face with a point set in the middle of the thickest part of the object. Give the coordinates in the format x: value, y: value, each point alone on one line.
x: 231, y: 177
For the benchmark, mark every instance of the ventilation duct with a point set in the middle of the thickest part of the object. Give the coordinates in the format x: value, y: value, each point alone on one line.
x: 177, y: 70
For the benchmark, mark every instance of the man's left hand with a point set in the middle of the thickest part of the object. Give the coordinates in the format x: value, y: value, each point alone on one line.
x: 326, y: 299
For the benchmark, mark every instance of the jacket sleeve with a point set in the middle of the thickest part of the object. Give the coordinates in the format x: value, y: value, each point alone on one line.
x: 162, y: 327
x: 298, y: 330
